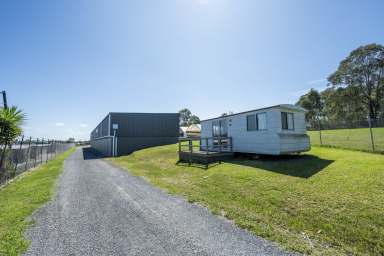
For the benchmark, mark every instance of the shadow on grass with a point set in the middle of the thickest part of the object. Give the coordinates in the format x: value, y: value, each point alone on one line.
x: 89, y: 154
x: 303, y: 166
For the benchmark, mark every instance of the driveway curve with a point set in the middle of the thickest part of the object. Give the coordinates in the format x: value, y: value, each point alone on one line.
x: 99, y: 209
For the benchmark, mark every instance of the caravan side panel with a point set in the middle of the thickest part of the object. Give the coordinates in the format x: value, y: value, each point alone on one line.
x: 259, y: 141
x: 274, y: 140
x: 295, y: 140
x: 206, y: 132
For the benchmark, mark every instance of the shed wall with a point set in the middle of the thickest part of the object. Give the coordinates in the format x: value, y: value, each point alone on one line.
x: 146, y: 124
x: 101, y: 129
x: 142, y: 130
x: 103, y: 145
x: 135, y: 131
x: 127, y: 145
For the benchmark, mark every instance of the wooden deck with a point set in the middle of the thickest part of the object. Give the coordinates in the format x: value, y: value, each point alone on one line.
x: 205, y: 150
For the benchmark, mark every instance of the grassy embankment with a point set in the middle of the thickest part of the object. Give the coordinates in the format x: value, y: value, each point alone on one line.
x: 325, y: 202
x: 20, y: 198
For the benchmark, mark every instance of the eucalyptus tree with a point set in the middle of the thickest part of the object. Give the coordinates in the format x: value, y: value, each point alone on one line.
x: 187, y: 118
x: 363, y: 69
x: 313, y: 103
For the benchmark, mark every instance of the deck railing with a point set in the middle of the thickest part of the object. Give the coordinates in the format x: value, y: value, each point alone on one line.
x: 205, y: 144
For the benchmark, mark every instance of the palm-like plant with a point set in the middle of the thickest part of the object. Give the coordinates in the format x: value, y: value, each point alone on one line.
x: 11, y: 120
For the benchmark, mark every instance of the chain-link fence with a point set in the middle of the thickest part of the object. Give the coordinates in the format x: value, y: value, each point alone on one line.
x: 26, y: 153
x: 363, y: 135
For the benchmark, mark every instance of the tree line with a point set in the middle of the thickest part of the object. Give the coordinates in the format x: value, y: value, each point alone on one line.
x: 355, y: 90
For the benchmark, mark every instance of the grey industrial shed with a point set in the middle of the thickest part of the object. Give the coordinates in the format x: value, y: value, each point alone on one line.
x: 122, y: 133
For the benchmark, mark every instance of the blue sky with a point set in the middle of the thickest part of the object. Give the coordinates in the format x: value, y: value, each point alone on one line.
x: 68, y: 63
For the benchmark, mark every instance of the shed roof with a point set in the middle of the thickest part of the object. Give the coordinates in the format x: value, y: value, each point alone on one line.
x: 183, y: 128
x: 194, y: 128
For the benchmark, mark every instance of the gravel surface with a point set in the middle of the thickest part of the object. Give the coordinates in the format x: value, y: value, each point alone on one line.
x: 99, y: 209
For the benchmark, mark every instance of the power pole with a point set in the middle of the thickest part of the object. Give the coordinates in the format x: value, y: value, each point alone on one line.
x: 5, y: 99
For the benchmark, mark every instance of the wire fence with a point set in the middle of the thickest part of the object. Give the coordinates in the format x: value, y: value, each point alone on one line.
x: 26, y: 153
x: 365, y: 135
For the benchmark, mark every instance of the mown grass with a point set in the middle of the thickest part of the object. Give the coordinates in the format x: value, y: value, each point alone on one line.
x: 357, y: 139
x: 325, y: 202
x: 20, y: 198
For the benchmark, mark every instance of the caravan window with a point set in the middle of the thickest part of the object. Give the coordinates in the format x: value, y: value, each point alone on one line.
x: 223, y: 128
x: 257, y: 122
x: 287, y: 122
x: 219, y: 128
x: 215, y: 129
x: 251, y: 123
x: 261, y: 121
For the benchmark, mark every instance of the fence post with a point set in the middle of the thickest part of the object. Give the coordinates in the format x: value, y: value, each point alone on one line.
x: 41, y: 151
x: 370, y: 131
x: 28, y: 153
x: 18, y: 153
x: 179, y: 146
x: 50, y: 150
x: 321, y: 139
x: 190, y: 145
x: 35, y: 151
x: 46, y: 160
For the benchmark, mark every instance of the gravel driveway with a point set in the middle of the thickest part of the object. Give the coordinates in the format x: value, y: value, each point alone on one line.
x: 99, y: 209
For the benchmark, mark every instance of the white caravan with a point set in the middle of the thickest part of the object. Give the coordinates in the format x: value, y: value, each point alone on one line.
x: 275, y: 130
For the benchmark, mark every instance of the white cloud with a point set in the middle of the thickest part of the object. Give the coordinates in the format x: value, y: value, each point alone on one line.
x: 300, y: 92
x: 321, y: 88
x: 317, y: 81
x: 83, y: 125
x: 59, y: 124
x: 318, y: 85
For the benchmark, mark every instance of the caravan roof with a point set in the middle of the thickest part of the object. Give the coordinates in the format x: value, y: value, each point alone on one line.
x: 284, y: 106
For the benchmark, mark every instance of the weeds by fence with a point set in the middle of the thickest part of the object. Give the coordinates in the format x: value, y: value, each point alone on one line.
x: 362, y: 135
x: 26, y: 153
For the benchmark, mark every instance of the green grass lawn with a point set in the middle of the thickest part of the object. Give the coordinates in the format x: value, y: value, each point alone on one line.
x: 358, y: 139
x: 325, y: 202
x: 20, y: 198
